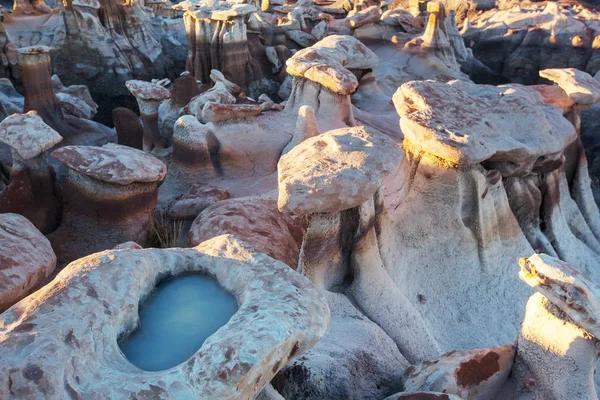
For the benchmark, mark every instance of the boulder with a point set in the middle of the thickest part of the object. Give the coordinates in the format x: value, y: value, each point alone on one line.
x: 149, y: 96
x: 26, y: 259
x: 196, y: 200
x: 255, y: 221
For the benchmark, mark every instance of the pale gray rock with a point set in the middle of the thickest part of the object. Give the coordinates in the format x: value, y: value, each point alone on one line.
x: 557, y: 346
x: 580, y: 86
x: 334, y: 171
x: 465, y: 124
x: 330, y: 61
x: 49, y: 354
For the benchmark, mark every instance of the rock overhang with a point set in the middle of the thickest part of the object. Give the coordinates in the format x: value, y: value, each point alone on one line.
x: 112, y: 163
x: 28, y: 135
x: 330, y: 63
x: 335, y: 171
x: 464, y: 123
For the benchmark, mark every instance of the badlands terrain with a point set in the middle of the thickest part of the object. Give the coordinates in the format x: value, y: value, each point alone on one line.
x: 310, y: 199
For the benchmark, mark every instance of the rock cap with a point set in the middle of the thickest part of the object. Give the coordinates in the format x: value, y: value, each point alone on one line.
x: 580, y: 86
x: 112, y: 163
x: 330, y: 61
x: 147, y: 90
x: 465, y: 123
x: 567, y: 288
x: 335, y: 171
x: 27, y: 134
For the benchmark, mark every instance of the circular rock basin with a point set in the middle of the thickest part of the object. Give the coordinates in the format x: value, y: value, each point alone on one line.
x: 176, y: 319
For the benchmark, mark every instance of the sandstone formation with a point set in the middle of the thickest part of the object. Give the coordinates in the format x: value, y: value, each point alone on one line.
x: 280, y: 316
x: 402, y: 165
x: 149, y: 96
x: 104, y: 43
x: 112, y: 189
x: 31, y: 190
x: 218, y: 39
x: 40, y: 96
x: 521, y: 40
x: 557, y: 346
x: 26, y: 259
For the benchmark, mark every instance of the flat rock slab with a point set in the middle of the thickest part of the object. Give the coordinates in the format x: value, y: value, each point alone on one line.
x: 465, y: 123
x: 112, y: 163
x: 329, y: 63
x: 26, y: 258
x: 335, y: 171
x: 579, y: 85
x: 62, y: 342
x: 147, y: 90
x: 27, y: 134
x: 222, y: 11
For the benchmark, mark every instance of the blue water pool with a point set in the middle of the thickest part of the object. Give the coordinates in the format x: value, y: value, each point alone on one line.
x: 176, y: 319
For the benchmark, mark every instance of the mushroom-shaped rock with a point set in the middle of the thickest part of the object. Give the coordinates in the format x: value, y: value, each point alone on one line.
x: 566, y: 288
x: 471, y: 374
x: 334, y: 171
x: 35, y: 67
x: 281, y: 315
x: 27, y: 135
x: 222, y: 25
x: 255, y: 221
x: 32, y: 190
x: 579, y: 85
x: 330, y: 63
x: 109, y: 197
x: 149, y: 96
x: 557, y: 348
x: 217, y: 76
x: 434, y: 38
x: 26, y: 259
x: 509, y: 127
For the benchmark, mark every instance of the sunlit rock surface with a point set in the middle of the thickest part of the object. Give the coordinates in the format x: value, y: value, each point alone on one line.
x: 47, y: 353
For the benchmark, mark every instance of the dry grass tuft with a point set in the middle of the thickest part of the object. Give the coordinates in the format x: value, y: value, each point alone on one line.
x: 164, y: 232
